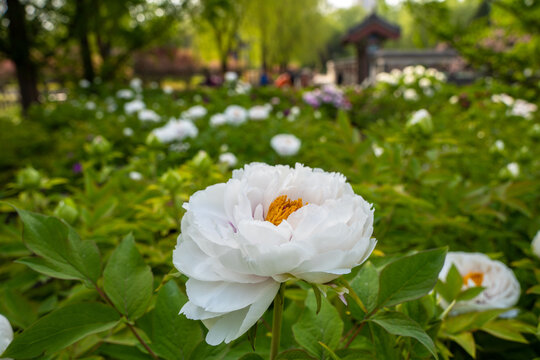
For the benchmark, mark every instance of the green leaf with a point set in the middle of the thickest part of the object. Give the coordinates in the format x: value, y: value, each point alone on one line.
x: 326, y: 327
x: 122, y: 352
x: 504, y: 330
x: 366, y: 285
x: 410, y: 277
x: 397, y: 323
x: 203, y: 351
x: 383, y: 343
x: 534, y: 290
x: 470, y: 321
x: 251, y: 356
x: 128, y: 280
x: 470, y: 293
x: 450, y: 288
x: 317, y: 293
x: 173, y: 336
x: 62, y: 328
x: 294, y: 354
x: 329, y: 351
x: 466, y: 341
x: 65, y: 255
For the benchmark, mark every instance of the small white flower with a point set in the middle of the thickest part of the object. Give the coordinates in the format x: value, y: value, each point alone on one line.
x: 409, y: 79
x: 419, y: 70
x: 85, y: 84
x: 6, y: 333
x: 135, y: 175
x: 134, y: 106
x: 523, y: 108
x: 128, y: 132
x: 136, y: 84
x: 453, y: 100
x: 168, y: 90
x: 90, y: 105
x: 231, y: 76
x: 502, y: 98
x: 295, y: 110
x: 148, y: 115
x: 259, y: 112
x: 124, y: 94
x: 410, y: 94
x: 501, y: 291
x: 285, y: 144
x: 386, y: 78
x: 536, y: 244
x: 218, y: 120
x: 235, y: 114
x: 377, y: 150
x: 424, y: 82
x: 513, y: 169
x: 498, y: 146
x: 317, y: 114
x: 228, y: 158
x: 241, y: 239
x: 195, y: 112
x: 176, y: 130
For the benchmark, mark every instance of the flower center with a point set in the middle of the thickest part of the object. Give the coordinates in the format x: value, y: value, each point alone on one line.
x: 281, y: 208
x: 476, y: 277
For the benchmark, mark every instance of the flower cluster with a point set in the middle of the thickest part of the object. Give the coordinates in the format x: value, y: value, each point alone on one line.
x: 329, y: 94
x: 516, y: 107
x: 411, y: 80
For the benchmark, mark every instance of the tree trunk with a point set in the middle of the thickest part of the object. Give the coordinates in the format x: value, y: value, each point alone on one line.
x: 223, y: 63
x: 82, y: 34
x: 20, y: 54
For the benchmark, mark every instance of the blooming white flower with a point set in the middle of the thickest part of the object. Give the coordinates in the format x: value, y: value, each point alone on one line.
x: 267, y: 224
x: 259, y: 112
x: 135, y: 175
x: 409, y: 79
x: 295, y: 110
x: 386, y: 78
x: 511, y: 170
x: 6, y: 333
x: 148, y: 115
x: 523, y: 108
x: 536, y: 244
x: 90, y: 105
x: 377, y: 150
x: 134, y: 106
x: 424, y: 82
x: 218, y: 120
x: 168, y: 90
x: 228, y: 158
x: 285, y: 144
x: 231, y: 76
x: 498, y: 146
x: 195, y: 112
x: 136, y: 84
x: 176, y: 130
x: 235, y: 114
x: 502, y: 98
x: 453, y: 99
x: 422, y: 120
x: 410, y: 94
x: 501, y: 291
x: 128, y: 131
x: 124, y: 94
x: 85, y: 84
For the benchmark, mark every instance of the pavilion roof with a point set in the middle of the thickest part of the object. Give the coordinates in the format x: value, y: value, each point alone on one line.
x: 373, y: 24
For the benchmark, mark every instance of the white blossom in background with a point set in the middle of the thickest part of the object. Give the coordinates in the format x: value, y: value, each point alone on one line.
x: 422, y: 120
x: 511, y: 170
x: 317, y: 114
x: 497, y: 147
x: 125, y: 94
x: 134, y: 106
x: 218, y: 120
x: 128, y: 131
x: 136, y: 84
x: 148, y: 115
x: 135, y: 176
x: 231, y: 76
x: 453, y: 99
x: 259, y: 112
x: 228, y: 158
x: 502, y: 98
x: 377, y: 150
x: 195, y: 112
x: 424, y: 82
x: 90, y: 105
x: 285, y: 144
x: 419, y: 70
x: 410, y: 95
x: 168, y: 90
x: 501, y: 291
x: 386, y: 78
x: 295, y: 110
x: 241, y: 239
x: 523, y: 108
x: 235, y: 114
x: 85, y: 84
x: 6, y: 333
x: 176, y: 130
x: 535, y: 244
x: 409, y: 79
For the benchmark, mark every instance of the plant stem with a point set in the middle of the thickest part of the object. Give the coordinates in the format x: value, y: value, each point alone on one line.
x: 131, y: 327
x: 276, y: 322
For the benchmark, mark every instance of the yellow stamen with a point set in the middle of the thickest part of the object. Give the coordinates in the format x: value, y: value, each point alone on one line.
x: 476, y: 277
x: 281, y: 208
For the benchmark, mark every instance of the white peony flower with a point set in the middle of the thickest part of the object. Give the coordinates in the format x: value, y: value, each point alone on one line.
x: 136, y: 84
x: 387, y: 78
x: 422, y: 120
x: 135, y: 175
x: 128, y: 131
x: 231, y: 76
x: 267, y: 224
x: 453, y: 99
x: 410, y: 94
x: 235, y: 114
x: 523, y: 109
x: 85, y: 84
x: 6, y: 333
x: 259, y: 112
x: 501, y: 291
x: 176, y: 130
x: 134, y: 106
x: 90, y: 105
x: 295, y: 111
x: 148, y: 115
x: 228, y: 158
x: 536, y: 244
x: 195, y: 112
x: 409, y: 79
x: 424, y: 83
x: 285, y: 144
x: 168, y: 90
x: 124, y: 94
x: 218, y: 120
x: 503, y: 98
x: 377, y: 150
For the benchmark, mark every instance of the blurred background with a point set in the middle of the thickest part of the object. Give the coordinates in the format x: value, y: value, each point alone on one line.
x: 48, y: 45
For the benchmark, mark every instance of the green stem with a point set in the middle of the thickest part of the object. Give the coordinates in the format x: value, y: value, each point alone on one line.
x: 276, y: 322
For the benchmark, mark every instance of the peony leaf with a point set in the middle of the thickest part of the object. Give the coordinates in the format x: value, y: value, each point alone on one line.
x: 294, y: 354
x: 62, y: 328
x: 366, y: 285
x: 470, y: 293
x: 466, y: 341
x: 397, y: 323
x: 63, y: 254
x: 410, y: 277
x: 128, y: 280
x: 326, y: 327
x: 503, y: 330
x: 383, y: 343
